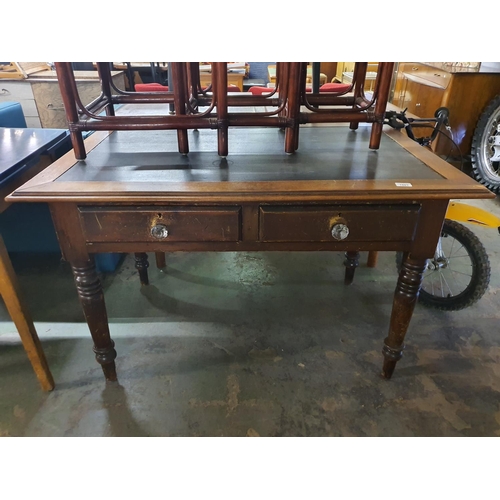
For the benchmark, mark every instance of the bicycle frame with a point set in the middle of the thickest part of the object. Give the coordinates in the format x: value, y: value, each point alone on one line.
x: 462, y: 212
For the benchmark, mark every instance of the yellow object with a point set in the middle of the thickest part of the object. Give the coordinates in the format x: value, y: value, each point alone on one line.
x: 473, y: 215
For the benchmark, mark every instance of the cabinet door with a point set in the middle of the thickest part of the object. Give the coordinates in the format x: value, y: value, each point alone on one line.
x: 422, y: 100
x: 429, y: 99
x: 399, y: 84
x: 340, y: 70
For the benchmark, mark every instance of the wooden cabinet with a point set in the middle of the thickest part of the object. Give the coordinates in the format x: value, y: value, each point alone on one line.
x: 232, y: 79
x: 41, y: 99
x: 345, y: 71
x: 20, y: 91
x: 425, y: 87
x: 329, y: 69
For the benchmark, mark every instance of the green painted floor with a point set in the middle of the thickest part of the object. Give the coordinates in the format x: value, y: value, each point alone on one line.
x: 237, y: 344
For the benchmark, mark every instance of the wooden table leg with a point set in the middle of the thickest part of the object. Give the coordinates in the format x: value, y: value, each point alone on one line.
x: 142, y: 264
x: 74, y: 249
x: 372, y: 258
x: 160, y: 260
x: 92, y: 301
x: 351, y: 262
x: 405, y: 298
x: 10, y: 292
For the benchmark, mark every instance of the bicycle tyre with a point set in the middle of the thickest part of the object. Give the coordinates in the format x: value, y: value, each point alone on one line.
x: 480, y: 278
x: 483, y: 169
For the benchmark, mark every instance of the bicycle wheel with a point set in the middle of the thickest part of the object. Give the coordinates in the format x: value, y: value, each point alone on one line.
x: 485, y: 149
x: 459, y: 274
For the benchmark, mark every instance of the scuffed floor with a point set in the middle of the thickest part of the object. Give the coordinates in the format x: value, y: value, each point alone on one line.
x: 252, y: 344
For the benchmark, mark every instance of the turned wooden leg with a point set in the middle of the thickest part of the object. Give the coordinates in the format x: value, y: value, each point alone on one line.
x: 11, y: 294
x: 372, y: 258
x: 142, y: 264
x: 351, y: 262
x: 160, y: 260
x: 92, y: 300
x: 405, y: 298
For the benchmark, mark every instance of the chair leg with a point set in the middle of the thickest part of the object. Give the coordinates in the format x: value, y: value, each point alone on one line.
x: 160, y: 260
x: 10, y: 292
x: 372, y: 258
x: 351, y: 263
x: 142, y: 264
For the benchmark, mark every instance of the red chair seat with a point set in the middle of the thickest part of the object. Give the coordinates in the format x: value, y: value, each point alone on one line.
x: 334, y: 87
x: 158, y: 87
x: 150, y: 87
x: 260, y: 90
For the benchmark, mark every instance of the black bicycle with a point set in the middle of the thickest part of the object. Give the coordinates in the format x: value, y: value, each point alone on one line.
x: 485, y: 150
x: 459, y: 273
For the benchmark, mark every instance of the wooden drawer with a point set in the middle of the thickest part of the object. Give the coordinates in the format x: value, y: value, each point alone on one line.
x: 146, y: 224
x: 315, y: 223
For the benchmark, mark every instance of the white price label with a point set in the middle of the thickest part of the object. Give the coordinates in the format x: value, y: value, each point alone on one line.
x: 403, y: 184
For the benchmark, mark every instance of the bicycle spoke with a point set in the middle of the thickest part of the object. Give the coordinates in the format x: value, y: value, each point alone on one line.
x: 452, y: 245
x: 455, y: 268
x: 444, y: 285
x: 458, y: 285
x: 458, y: 250
x: 441, y: 282
x: 458, y: 272
x: 451, y: 292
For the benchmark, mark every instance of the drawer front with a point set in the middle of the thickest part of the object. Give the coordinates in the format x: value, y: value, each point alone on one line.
x: 29, y: 107
x: 15, y: 91
x: 422, y: 100
x: 33, y: 122
x: 427, y: 75
x: 160, y: 224
x: 336, y: 223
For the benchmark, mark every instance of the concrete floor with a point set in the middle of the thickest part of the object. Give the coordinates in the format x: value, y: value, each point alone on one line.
x: 247, y: 344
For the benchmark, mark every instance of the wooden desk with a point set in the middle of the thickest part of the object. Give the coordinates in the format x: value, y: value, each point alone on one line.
x: 136, y: 193
x: 232, y: 79
x: 25, y: 152
x: 271, y: 73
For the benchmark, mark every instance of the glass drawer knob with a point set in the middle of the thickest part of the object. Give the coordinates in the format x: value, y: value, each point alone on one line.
x: 340, y: 231
x: 160, y: 231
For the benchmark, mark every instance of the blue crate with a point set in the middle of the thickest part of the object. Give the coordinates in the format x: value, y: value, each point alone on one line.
x: 28, y: 228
